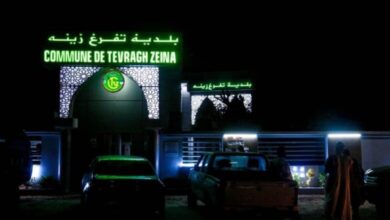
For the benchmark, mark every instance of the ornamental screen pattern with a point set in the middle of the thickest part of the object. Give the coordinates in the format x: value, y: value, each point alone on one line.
x: 72, y: 77
x: 196, y: 101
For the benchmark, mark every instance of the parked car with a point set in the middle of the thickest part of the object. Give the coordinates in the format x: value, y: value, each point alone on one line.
x: 15, y: 165
x: 377, y: 188
x: 240, y: 181
x: 127, y: 180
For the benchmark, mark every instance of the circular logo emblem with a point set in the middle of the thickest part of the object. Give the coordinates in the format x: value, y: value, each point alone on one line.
x: 113, y: 81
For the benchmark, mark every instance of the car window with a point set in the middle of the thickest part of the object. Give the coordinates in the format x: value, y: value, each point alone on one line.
x: 239, y: 162
x: 124, y: 168
x: 205, y: 163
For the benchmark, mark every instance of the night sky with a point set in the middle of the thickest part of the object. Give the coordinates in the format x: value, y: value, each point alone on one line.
x: 319, y: 73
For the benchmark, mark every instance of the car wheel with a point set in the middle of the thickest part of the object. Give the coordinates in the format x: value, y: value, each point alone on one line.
x: 294, y: 216
x: 87, y: 202
x: 161, y: 208
x: 83, y: 199
x: 161, y: 213
x: 191, y: 199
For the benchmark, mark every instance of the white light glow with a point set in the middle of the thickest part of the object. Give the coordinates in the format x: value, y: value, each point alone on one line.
x: 368, y: 171
x: 234, y: 136
x: 186, y: 164
x: 71, y: 78
x: 302, y: 175
x: 344, y: 135
x: 86, y: 187
x: 302, y: 169
x: 36, y: 172
x: 183, y: 87
x: 295, y: 169
x: 148, y: 78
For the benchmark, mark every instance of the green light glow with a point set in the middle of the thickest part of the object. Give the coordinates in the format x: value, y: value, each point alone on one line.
x: 120, y: 158
x: 113, y: 81
x: 222, y: 85
x: 113, y: 48
x: 110, y: 56
x: 116, y: 38
x: 132, y: 177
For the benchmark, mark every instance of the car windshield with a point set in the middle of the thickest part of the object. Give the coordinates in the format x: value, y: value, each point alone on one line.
x: 124, y: 168
x: 239, y: 162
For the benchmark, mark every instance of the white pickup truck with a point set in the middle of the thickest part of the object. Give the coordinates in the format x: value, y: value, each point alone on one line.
x: 240, y: 181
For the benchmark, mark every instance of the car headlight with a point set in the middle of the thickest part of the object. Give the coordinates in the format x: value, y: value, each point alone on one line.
x: 86, y: 187
x: 370, y: 180
x: 369, y: 171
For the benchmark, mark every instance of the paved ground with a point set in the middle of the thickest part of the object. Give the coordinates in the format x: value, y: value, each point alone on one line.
x: 65, y: 207
x: 312, y: 207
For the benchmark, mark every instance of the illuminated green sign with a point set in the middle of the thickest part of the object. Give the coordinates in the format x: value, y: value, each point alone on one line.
x: 113, y: 48
x: 221, y: 86
x: 113, y: 81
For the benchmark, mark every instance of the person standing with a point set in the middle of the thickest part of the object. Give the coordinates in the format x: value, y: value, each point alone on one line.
x: 281, y: 166
x: 356, y: 184
x: 339, y: 168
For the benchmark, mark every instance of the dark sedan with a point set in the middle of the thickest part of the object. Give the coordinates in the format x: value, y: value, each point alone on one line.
x: 377, y: 188
x: 126, y: 180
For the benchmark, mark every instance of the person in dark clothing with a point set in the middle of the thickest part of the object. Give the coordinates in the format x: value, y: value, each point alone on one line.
x: 281, y: 166
x: 338, y: 168
x: 357, y: 183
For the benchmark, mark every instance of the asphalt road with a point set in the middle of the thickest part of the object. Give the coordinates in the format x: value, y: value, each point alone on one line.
x: 68, y: 207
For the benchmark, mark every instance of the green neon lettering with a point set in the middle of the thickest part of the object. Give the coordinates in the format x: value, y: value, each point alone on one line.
x: 46, y: 56
x: 109, y: 53
x: 152, y: 59
x: 66, y: 56
x: 173, y: 57
x: 157, y: 54
x: 222, y: 85
x: 145, y: 57
x: 164, y: 57
x: 95, y: 40
x: 112, y: 56
x: 120, y: 57
x: 132, y: 57
x: 126, y: 57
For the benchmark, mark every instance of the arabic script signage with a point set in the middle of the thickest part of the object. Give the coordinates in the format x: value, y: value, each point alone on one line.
x: 221, y: 86
x: 113, y: 48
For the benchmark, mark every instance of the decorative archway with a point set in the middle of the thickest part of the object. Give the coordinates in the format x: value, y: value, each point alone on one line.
x: 147, y: 77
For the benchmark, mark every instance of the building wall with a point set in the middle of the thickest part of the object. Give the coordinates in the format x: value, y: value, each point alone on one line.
x: 170, y: 118
x: 375, y: 152
x: 50, y: 153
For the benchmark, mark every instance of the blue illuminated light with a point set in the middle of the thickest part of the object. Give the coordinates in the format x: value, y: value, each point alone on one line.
x: 36, y: 172
x: 186, y: 164
x: 295, y: 169
x: 344, y: 135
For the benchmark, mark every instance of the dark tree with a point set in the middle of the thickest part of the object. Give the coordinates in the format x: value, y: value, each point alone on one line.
x: 207, y: 118
x: 234, y: 115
